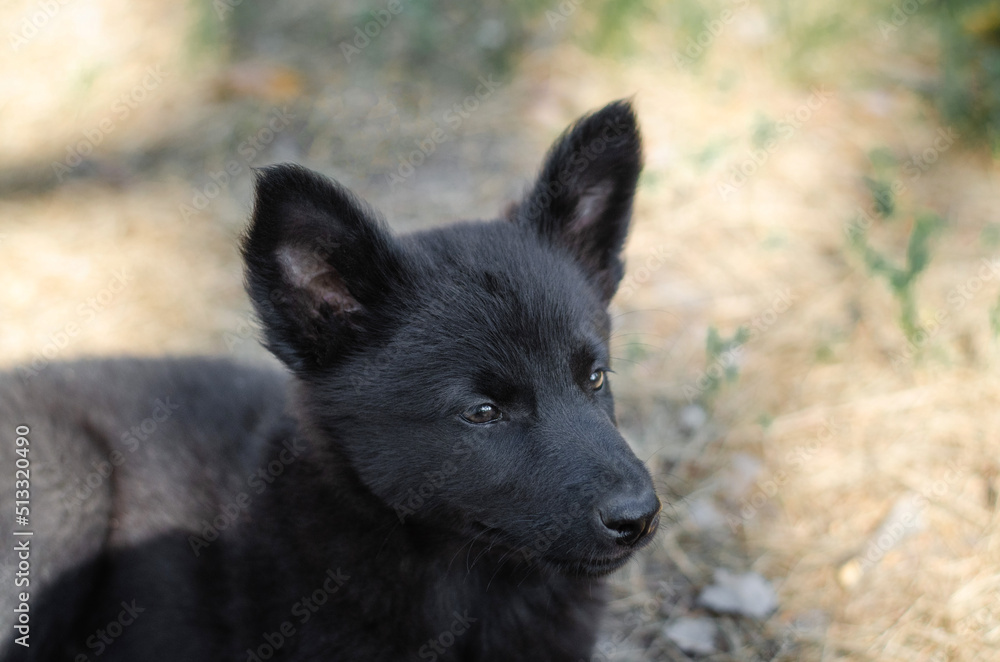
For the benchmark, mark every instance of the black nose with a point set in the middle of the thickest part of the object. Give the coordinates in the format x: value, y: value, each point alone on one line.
x: 631, y: 518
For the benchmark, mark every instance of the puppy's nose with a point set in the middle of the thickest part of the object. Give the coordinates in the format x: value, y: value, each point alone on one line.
x: 630, y: 518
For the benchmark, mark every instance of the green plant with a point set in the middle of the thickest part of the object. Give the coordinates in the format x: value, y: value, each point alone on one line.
x: 881, y: 190
x: 884, y: 172
x: 995, y: 318
x: 764, y: 131
x: 719, y: 354
x: 901, y: 279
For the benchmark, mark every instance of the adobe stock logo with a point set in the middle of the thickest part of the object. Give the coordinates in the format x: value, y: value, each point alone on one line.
x: 121, y: 110
x: 303, y: 611
x: 59, y: 339
x: 454, y: 117
x: 106, y: 636
x: 31, y: 25
x: 276, y: 121
x: 785, y: 128
x: 381, y: 18
x: 440, y: 644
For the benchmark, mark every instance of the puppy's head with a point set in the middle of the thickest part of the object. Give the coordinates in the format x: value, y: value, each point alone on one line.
x: 464, y: 372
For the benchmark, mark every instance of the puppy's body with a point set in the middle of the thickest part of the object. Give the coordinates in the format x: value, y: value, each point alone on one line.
x: 438, y: 478
x: 388, y: 591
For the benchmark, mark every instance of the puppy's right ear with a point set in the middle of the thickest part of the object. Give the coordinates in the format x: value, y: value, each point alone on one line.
x: 582, y: 199
x: 319, y: 267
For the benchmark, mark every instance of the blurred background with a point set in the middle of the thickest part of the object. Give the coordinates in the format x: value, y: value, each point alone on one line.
x: 806, y: 338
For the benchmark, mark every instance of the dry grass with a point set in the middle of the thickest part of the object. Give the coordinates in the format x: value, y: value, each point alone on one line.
x: 803, y: 457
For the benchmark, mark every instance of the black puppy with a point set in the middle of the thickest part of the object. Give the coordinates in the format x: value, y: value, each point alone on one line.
x: 439, y: 477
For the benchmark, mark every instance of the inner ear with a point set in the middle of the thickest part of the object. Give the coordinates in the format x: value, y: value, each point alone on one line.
x: 591, y: 205
x: 320, y: 266
x: 320, y: 282
x: 583, y: 196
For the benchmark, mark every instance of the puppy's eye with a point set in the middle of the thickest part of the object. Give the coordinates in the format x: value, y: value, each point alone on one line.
x: 596, y: 379
x: 484, y: 413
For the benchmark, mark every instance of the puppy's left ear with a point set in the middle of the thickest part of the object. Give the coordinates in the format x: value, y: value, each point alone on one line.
x: 583, y: 198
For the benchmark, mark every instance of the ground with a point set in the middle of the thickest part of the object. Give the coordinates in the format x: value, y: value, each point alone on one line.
x: 843, y: 445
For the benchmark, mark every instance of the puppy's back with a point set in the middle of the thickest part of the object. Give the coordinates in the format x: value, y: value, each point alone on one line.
x: 121, y: 451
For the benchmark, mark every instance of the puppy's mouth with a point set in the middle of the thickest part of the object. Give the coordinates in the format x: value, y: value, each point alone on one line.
x: 590, y: 567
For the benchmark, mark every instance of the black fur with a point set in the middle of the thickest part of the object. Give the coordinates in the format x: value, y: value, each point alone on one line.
x: 360, y: 507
